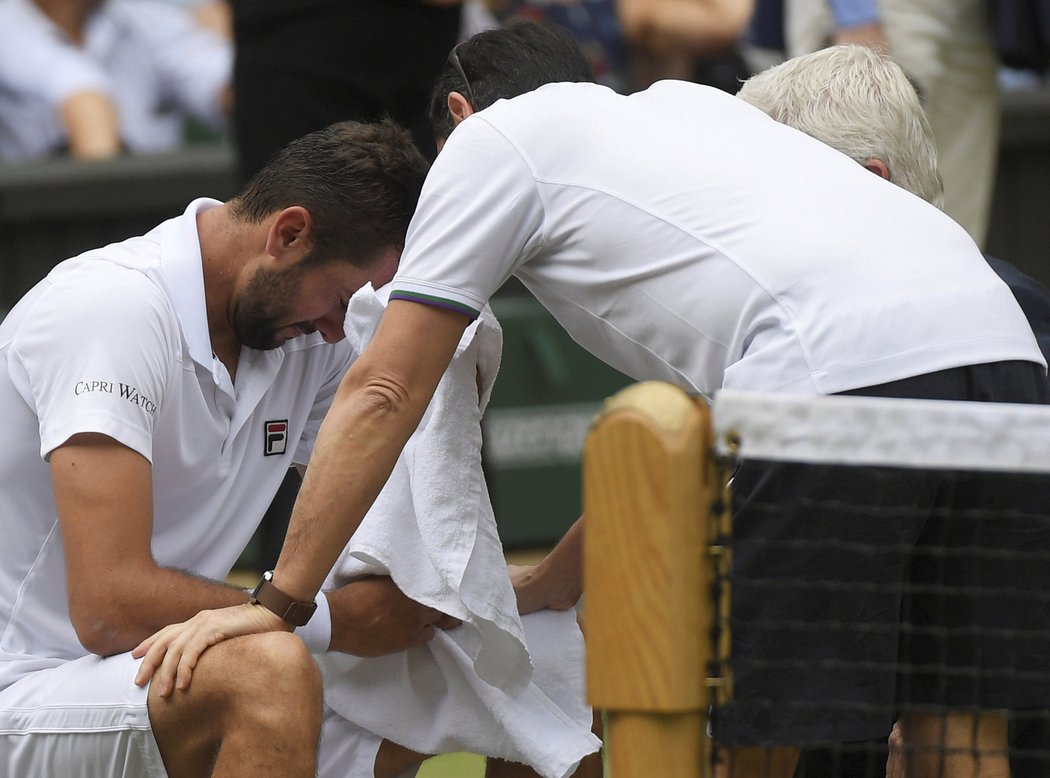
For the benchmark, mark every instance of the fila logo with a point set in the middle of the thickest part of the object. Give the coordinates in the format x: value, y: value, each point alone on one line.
x: 275, y: 437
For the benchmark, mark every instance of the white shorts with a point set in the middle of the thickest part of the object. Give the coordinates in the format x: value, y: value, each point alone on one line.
x: 347, y: 751
x: 87, y: 718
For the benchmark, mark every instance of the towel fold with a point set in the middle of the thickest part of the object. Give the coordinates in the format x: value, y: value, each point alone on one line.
x: 431, y: 700
x: 432, y: 530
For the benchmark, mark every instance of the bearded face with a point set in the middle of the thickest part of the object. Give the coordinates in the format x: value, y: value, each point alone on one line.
x: 311, y: 295
x: 266, y: 309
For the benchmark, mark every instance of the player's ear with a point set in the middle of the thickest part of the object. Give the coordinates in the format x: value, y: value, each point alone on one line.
x: 291, y: 232
x: 879, y: 168
x: 459, y: 107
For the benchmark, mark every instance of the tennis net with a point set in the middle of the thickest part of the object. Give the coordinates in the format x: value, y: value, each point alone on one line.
x: 891, y: 564
x: 864, y: 562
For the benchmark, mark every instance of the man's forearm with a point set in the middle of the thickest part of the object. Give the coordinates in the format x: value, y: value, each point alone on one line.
x: 91, y: 125
x: 376, y: 409
x: 372, y: 617
x: 146, y: 603
x: 352, y: 458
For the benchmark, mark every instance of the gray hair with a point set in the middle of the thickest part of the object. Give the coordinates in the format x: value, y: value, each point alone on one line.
x: 860, y: 102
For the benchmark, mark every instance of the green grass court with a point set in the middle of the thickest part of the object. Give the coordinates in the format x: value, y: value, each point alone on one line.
x: 453, y: 766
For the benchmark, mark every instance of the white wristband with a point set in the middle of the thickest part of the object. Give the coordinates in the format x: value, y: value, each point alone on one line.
x: 317, y: 632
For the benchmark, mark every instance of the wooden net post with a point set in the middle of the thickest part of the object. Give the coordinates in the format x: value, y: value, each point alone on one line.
x: 649, y: 481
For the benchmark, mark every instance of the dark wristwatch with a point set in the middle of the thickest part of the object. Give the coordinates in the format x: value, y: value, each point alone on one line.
x: 295, y: 612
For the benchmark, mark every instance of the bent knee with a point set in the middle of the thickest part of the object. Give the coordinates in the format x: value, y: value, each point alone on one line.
x: 258, y: 686
x: 268, y: 678
x: 277, y: 659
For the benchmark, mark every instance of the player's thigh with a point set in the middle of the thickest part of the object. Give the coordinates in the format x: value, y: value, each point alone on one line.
x: 85, y: 717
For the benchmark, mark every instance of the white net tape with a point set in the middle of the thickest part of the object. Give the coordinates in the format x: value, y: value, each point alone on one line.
x: 879, y: 431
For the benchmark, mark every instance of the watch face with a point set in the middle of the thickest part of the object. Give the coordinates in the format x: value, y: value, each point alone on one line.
x: 263, y: 582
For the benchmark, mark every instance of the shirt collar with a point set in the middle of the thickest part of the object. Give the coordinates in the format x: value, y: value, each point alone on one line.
x: 182, y: 269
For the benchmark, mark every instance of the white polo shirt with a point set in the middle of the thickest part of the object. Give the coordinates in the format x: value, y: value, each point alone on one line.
x: 681, y: 234
x: 116, y: 341
x: 150, y: 58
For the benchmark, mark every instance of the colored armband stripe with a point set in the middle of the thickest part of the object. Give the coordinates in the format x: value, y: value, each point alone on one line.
x: 438, y: 302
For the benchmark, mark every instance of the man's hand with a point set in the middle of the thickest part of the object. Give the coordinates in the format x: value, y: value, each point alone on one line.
x: 536, y: 591
x: 372, y: 617
x: 557, y: 581
x: 171, y: 654
x: 895, y: 763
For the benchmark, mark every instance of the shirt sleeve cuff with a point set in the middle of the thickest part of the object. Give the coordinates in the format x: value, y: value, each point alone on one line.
x: 317, y: 632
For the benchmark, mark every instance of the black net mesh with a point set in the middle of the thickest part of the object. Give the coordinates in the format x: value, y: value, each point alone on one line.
x: 861, y: 597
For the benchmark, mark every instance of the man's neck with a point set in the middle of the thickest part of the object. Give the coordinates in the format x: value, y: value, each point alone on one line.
x: 225, y: 244
x: 229, y: 354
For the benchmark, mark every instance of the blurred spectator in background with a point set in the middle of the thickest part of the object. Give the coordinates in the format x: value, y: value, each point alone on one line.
x: 594, y: 24
x: 477, y: 17
x: 947, y: 48
x: 632, y: 43
x: 97, y: 77
x: 1022, y: 38
x: 304, y: 64
x: 764, y: 45
x: 692, y: 40
x: 215, y: 15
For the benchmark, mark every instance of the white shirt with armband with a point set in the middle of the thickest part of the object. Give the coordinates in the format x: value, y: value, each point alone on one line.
x: 679, y: 234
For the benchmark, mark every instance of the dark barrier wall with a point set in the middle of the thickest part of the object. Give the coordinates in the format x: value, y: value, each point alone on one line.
x: 58, y: 208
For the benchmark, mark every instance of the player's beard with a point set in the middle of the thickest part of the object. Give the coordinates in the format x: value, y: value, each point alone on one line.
x: 263, y: 308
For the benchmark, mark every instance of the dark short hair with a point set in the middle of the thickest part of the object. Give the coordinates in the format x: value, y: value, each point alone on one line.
x: 507, y: 62
x: 359, y: 181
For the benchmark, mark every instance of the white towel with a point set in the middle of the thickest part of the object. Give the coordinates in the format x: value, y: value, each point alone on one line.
x: 433, y: 531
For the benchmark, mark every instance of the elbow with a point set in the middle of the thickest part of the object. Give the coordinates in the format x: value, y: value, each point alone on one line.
x: 100, y: 626
x: 100, y: 636
x: 376, y: 396
x: 365, y: 408
x: 383, y: 399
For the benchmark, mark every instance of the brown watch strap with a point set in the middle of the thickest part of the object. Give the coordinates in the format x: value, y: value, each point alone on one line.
x: 295, y: 612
